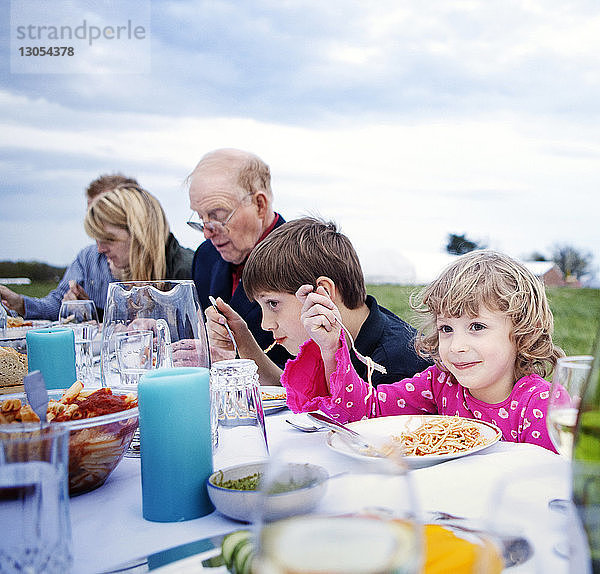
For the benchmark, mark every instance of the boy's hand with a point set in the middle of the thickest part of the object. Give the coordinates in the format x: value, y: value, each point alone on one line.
x: 321, y: 319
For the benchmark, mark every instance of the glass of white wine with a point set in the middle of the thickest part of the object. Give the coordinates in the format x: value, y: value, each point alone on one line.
x: 568, y: 382
x: 570, y: 375
x: 364, y: 523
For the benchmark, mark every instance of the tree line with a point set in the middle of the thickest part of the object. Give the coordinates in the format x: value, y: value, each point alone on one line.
x: 34, y: 270
x: 571, y: 261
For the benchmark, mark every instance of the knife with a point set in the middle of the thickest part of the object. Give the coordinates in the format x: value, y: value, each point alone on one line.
x: 206, y: 555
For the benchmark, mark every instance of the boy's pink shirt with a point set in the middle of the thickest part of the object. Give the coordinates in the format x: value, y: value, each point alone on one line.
x: 521, y: 417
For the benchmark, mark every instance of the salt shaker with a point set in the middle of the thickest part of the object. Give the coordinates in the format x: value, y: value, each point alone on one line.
x: 237, y: 417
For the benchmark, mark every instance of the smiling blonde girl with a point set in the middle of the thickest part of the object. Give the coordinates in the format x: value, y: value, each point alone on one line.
x: 486, y: 325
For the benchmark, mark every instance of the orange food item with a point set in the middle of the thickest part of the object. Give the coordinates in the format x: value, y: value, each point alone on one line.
x: 73, y: 405
x: 100, y: 402
x: 18, y: 322
x: 447, y: 552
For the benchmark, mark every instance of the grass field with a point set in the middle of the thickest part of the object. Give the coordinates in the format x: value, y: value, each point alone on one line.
x: 576, y: 311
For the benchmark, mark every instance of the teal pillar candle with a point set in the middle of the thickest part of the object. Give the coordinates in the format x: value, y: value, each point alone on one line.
x: 175, y: 443
x: 52, y: 351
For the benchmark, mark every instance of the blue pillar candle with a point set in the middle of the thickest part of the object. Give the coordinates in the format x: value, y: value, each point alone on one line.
x: 52, y: 351
x: 175, y: 443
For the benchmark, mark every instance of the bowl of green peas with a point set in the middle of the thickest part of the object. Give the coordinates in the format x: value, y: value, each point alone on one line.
x: 238, y: 492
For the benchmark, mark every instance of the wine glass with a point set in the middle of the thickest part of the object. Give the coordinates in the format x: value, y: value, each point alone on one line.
x: 568, y: 382
x: 529, y: 535
x: 82, y: 317
x: 363, y: 522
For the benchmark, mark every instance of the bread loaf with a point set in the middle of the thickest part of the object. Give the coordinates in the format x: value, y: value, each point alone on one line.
x: 13, y: 367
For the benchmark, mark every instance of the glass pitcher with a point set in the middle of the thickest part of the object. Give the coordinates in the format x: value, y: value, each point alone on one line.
x: 170, y: 309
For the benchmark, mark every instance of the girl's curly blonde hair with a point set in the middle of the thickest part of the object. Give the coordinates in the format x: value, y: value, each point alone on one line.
x: 499, y: 283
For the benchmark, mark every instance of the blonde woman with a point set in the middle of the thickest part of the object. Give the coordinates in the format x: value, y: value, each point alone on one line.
x: 131, y: 230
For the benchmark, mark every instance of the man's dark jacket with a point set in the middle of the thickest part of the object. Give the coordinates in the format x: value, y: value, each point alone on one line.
x: 213, y: 276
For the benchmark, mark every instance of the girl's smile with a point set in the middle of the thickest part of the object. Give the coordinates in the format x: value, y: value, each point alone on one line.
x: 462, y: 366
x: 480, y: 353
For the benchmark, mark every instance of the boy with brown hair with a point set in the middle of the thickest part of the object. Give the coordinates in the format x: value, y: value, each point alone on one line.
x: 312, y: 251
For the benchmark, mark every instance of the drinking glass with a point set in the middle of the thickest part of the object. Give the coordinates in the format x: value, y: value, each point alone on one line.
x: 364, y: 523
x: 570, y: 375
x: 34, y: 498
x: 568, y: 381
x: 237, y: 417
x: 134, y: 356
x: 82, y: 317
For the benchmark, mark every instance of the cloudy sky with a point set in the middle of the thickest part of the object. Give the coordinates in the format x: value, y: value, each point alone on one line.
x: 402, y: 120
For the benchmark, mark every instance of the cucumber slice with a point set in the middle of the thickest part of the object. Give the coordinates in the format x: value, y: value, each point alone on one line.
x: 230, y: 543
x: 242, y: 557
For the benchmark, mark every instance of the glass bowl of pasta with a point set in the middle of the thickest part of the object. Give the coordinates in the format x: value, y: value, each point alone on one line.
x: 101, y: 426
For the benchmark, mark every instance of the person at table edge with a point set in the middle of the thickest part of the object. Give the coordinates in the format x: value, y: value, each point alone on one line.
x: 87, y: 277
x: 231, y: 197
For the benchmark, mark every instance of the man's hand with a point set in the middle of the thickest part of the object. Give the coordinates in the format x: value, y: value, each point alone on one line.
x: 75, y: 292
x: 221, y: 345
x: 12, y: 300
x: 189, y: 353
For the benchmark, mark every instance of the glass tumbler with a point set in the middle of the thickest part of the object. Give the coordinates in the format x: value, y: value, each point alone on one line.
x: 34, y: 498
x: 237, y: 417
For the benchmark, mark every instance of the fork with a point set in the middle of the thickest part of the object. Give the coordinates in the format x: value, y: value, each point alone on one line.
x: 359, y: 355
x: 9, y: 312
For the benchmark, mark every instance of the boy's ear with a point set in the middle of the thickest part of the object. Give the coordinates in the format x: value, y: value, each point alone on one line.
x: 328, y: 285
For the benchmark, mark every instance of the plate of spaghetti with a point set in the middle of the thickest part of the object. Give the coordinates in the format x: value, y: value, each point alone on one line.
x: 425, y: 439
x: 273, y: 398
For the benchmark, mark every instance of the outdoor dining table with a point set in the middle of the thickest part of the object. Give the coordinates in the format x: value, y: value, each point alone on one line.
x: 109, y: 530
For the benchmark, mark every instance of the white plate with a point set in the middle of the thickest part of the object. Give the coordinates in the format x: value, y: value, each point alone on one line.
x: 386, y: 427
x: 14, y: 332
x: 271, y: 400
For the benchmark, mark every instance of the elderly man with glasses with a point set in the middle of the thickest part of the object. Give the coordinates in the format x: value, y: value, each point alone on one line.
x: 231, y: 197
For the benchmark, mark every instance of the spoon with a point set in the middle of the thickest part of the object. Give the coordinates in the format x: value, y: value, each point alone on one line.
x: 306, y: 428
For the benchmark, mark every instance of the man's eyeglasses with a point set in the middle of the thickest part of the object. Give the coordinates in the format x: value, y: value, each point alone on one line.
x: 216, y: 226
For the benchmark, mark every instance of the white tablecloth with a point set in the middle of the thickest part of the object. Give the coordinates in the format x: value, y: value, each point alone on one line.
x: 108, y: 527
